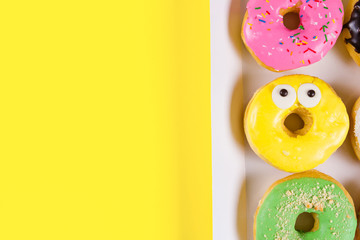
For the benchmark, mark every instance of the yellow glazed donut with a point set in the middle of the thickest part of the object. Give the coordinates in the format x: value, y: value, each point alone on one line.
x: 355, y: 128
x: 325, y: 127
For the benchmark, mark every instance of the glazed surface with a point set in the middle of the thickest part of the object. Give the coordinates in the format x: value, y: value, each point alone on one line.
x: 283, y: 49
x: 354, y: 25
x: 265, y: 132
x: 278, y: 213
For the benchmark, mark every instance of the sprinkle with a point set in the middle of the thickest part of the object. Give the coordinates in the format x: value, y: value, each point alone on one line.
x: 269, y: 29
x: 310, y: 6
x: 258, y: 8
x: 268, y: 12
x: 326, y: 38
x: 326, y: 7
x: 262, y: 21
x: 309, y: 49
x: 263, y: 15
x: 305, y: 37
x: 302, y: 27
x: 296, y: 34
x: 307, y: 204
x: 340, y: 10
x: 319, y: 207
x: 291, y: 53
x: 249, y: 24
x: 309, y: 61
x: 333, y: 20
x: 281, y: 43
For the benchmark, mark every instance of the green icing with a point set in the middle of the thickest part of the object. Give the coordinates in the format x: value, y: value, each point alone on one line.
x: 277, y: 216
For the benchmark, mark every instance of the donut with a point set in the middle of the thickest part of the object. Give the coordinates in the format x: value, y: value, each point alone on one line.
x: 355, y: 128
x: 357, y: 233
x: 278, y: 48
x: 351, y: 34
x: 323, y: 198
x: 324, y: 116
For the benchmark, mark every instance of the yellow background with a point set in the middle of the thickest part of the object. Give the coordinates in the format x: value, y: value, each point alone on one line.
x: 105, y: 120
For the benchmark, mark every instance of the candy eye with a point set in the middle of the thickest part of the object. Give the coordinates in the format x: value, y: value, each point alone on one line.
x: 284, y: 96
x: 309, y: 95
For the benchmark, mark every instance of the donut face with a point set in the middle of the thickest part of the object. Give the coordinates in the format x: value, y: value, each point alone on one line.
x: 284, y: 96
x: 326, y: 123
x: 279, y: 48
x: 309, y: 95
x: 333, y: 212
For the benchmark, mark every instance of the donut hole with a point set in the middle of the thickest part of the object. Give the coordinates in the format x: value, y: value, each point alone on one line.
x: 293, y: 122
x: 307, y: 222
x: 291, y: 20
x: 298, y: 122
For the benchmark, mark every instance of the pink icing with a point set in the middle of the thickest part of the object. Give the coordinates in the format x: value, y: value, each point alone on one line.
x: 284, y: 49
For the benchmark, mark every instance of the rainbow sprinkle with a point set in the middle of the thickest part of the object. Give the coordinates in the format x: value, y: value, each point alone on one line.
x: 299, y: 42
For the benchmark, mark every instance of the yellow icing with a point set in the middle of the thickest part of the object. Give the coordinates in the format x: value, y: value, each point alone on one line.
x: 326, y: 126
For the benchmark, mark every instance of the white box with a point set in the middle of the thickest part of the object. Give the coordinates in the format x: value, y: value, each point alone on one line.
x: 240, y: 177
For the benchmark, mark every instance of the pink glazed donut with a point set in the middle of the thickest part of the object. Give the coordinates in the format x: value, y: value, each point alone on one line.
x: 278, y: 48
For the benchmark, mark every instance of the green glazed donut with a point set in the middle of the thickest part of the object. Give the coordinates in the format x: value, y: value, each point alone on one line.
x: 328, y: 202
